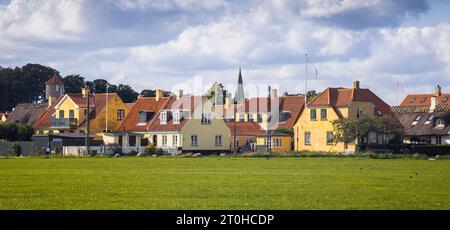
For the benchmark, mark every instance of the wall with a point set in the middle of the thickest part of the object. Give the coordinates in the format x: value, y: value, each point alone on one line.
x: 285, y: 143
x: 98, y: 125
x: 206, y: 135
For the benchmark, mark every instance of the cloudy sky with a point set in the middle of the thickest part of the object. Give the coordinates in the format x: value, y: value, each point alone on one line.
x: 160, y: 43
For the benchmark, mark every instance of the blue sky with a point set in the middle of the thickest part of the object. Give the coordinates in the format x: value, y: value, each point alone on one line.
x: 161, y: 43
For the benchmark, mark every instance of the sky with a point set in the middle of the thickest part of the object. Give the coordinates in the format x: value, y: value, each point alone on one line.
x: 169, y: 43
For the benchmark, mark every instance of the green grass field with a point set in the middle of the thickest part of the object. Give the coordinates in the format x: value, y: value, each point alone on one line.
x: 223, y: 183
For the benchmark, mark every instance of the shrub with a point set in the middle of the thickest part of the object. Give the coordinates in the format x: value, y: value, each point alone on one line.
x: 150, y: 149
x: 17, y: 150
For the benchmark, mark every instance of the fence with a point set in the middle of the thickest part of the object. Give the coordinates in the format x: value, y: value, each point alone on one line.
x: 26, y: 148
x: 408, y: 149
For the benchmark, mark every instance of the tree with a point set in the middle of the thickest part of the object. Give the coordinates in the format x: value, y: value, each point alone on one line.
x: 347, y: 130
x: 25, y: 132
x: 126, y: 93
x: 311, y: 94
x: 11, y: 131
x: 148, y: 93
x: 73, y: 83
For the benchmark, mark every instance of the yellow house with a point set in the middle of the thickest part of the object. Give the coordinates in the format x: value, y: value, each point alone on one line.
x: 189, y: 124
x: 281, y: 143
x: 313, y: 130
x: 68, y: 114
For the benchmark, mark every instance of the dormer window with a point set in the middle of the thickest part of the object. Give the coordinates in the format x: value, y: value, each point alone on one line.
x: 284, y: 116
x: 163, y: 117
x: 440, y: 123
x: 206, y: 118
x: 176, y: 117
x: 418, y: 118
x: 412, y: 100
x: 144, y: 116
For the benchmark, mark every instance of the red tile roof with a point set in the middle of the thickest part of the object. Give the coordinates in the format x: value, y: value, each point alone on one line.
x: 188, y: 103
x: 245, y: 128
x: 55, y: 80
x: 336, y: 97
x: 425, y: 100
x: 131, y: 120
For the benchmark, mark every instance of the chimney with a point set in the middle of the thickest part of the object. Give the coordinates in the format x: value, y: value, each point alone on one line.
x: 51, y: 100
x: 438, y: 92
x: 85, y: 91
x: 356, y: 85
x: 274, y: 93
x: 434, y: 102
x: 159, y: 94
x: 179, y: 93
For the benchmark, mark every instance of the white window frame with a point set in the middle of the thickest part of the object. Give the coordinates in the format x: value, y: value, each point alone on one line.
x: 164, y: 141
x: 194, y: 140
x: 176, y: 117
x: 163, y: 117
x: 174, y: 140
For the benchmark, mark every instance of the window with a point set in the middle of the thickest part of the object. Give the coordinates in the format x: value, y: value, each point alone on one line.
x: 313, y: 114
x: 71, y: 113
x: 132, y: 140
x: 241, y: 117
x: 250, y: 117
x: 174, y: 140
x: 218, y: 141
x: 330, y: 138
x: 379, y: 113
x: 307, y: 138
x: 444, y: 99
x: 120, y: 114
x: 163, y: 117
x: 418, y: 118
x: 277, y: 143
x: 143, y: 117
x: 61, y: 113
x: 360, y: 113
x: 323, y: 114
x: 440, y: 123
x: 194, y: 140
x: 164, y: 140
x: 439, y: 140
x: 430, y: 117
x: 423, y: 99
x: 144, y: 142
x: 284, y: 116
x: 176, y: 117
x: 206, y: 118
x: 259, y: 118
x: 412, y: 100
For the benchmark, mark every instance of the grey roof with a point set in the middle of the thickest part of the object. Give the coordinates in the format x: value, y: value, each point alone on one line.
x: 26, y: 113
x: 425, y: 125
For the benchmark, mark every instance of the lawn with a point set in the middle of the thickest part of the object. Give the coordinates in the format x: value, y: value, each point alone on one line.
x: 223, y: 183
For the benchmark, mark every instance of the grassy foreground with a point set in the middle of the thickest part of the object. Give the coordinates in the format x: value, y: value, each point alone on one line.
x: 223, y: 183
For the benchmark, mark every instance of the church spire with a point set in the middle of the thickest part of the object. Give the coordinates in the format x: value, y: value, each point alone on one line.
x: 240, y: 96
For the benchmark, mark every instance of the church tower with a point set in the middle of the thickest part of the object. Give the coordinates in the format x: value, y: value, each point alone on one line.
x: 240, y: 96
x: 54, y: 88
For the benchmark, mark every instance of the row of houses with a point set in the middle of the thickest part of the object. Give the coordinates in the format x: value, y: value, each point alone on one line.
x: 221, y: 123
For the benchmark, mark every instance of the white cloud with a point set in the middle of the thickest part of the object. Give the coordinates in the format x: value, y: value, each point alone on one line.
x: 50, y: 20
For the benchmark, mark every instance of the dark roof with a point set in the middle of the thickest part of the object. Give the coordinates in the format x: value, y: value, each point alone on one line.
x: 27, y: 113
x: 425, y: 124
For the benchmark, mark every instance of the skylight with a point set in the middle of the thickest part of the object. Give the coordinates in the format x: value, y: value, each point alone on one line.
x: 412, y: 100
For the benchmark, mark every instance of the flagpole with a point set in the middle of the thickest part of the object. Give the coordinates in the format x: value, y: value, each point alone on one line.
x: 306, y: 78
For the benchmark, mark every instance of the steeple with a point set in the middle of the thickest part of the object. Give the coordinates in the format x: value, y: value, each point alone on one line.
x: 240, y: 96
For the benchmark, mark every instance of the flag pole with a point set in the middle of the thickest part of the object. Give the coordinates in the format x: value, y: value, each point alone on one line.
x: 306, y: 78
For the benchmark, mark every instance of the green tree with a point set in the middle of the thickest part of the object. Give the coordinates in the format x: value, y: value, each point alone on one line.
x: 9, y: 131
x: 73, y: 83
x: 126, y: 93
x: 24, y: 132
